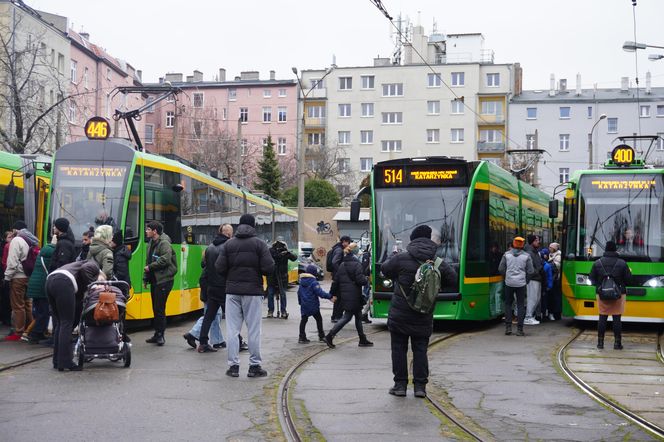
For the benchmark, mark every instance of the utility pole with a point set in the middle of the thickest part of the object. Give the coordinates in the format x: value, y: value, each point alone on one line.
x: 175, y: 128
x: 238, y: 156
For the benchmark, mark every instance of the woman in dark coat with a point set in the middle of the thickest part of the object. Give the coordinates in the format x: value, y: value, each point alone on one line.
x: 37, y: 292
x: 404, y: 322
x: 349, y: 279
x: 121, y: 257
x: 65, y: 288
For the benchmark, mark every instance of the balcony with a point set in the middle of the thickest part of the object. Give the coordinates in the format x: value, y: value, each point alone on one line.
x: 491, y: 119
x: 486, y: 147
x: 315, y: 121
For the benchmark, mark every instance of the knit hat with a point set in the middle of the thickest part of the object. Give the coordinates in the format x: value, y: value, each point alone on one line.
x: 117, y: 238
x: 104, y: 233
x: 19, y: 225
x: 422, y: 231
x: 62, y: 224
x: 248, y: 219
x: 555, y: 246
x: 311, y: 269
x: 610, y: 246
x: 518, y: 242
x: 531, y: 238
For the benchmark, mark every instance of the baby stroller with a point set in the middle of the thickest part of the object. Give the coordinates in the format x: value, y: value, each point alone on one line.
x: 102, y: 340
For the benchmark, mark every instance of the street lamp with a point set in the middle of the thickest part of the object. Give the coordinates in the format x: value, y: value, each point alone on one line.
x: 655, y: 57
x: 300, y: 156
x: 590, y: 150
x: 632, y: 46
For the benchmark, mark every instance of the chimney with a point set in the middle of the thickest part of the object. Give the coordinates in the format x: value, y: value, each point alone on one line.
x: 563, y: 86
x: 249, y: 75
x: 237, y: 78
x: 382, y: 61
x: 552, y: 86
x: 578, y: 84
x: 190, y: 78
x: 624, y: 84
x: 161, y: 80
x: 85, y: 36
x: 173, y: 78
x: 198, y: 76
x: 648, y: 87
x: 222, y: 74
x: 139, y: 74
x: 272, y: 75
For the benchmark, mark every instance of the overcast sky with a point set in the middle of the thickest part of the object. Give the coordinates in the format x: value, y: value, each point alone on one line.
x: 563, y: 37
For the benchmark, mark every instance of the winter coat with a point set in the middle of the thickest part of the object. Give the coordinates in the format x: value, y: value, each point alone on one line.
x: 65, y: 250
x: 18, y: 252
x: 537, y: 262
x: 337, y: 256
x: 85, y: 249
x: 121, y: 257
x: 350, y: 279
x: 618, y: 269
x: 281, y: 255
x: 83, y: 272
x: 517, y: 267
x: 548, y: 273
x: 103, y: 256
x: 308, y: 293
x: 212, y: 277
x: 244, y: 260
x: 161, y: 260
x: 401, y: 269
x: 5, y: 255
x: 555, y: 259
x: 36, y: 284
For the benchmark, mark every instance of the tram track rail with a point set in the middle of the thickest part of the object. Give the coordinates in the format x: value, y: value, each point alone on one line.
x: 603, y: 399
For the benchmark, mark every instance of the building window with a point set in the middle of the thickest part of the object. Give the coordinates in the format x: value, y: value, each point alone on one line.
x: 61, y: 63
x: 316, y: 83
x: 456, y: 135
x: 644, y: 111
x: 565, y: 112
x: 590, y: 111
x: 108, y: 74
x: 366, y: 164
x: 267, y: 93
x: 493, y: 80
x: 198, y: 99
x: 433, y: 80
x: 343, y: 137
x: 282, y: 92
x: 393, y: 90
x: 170, y: 118
x: 492, y: 108
x: 149, y: 134
x: 85, y: 78
x: 344, y: 110
x: 491, y: 136
x: 244, y: 144
x: 433, y: 107
x: 531, y: 141
x: 281, y: 114
x: 224, y: 113
x: 564, y: 142
x: 244, y: 114
x: 344, y: 165
x: 232, y: 94
x: 267, y: 114
x: 612, y: 124
x: 316, y: 111
x: 281, y: 146
x: 367, y: 81
x: 151, y: 108
x: 563, y: 174
x: 198, y: 129
x: 458, y: 79
x: 367, y: 109
x: 345, y: 83
x: 366, y: 137
x: 433, y: 135
x: 660, y: 110
x: 531, y: 113
x: 390, y: 146
x: 315, y: 138
x: 660, y: 141
x: 392, y: 117
x: 73, y: 71
x: 457, y: 107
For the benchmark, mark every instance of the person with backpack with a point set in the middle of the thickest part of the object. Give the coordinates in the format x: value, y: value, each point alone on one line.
x: 610, y: 274
x: 308, y: 292
x: 332, y: 262
x: 534, y: 286
x: 277, y: 282
x: 65, y: 249
x: 366, y: 290
x: 36, y: 291
x: 516, y: 266
x: 406, y: 323
x: 21, y: 259
x: 5, y: 304
x: 349, y: 280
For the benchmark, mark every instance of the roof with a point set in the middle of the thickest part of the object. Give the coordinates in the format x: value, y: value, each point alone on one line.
x: 345, y: 216
x: 593, y: 95
x: 226, y: 84
x: 98, y: 52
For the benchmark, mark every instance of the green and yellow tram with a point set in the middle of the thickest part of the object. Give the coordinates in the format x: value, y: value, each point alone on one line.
x: 474, y: 208
x: 623, y: 202
x: 110, y: 182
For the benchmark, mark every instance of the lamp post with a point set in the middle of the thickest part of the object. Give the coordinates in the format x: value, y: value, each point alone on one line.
x: 590, y: 148
x: 300, y: 156
x: 655, y: 57
x: 632, y: 46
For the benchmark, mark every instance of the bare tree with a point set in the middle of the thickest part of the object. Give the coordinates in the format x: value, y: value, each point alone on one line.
x: 330, y: 162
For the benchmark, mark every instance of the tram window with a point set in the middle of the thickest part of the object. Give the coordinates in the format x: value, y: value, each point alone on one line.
x: 478, y: 235
x: 9, y: 216
x: 133, y: 220
x: 162, y: 203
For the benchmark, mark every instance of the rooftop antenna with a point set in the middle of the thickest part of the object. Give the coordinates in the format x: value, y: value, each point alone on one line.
x: 419, y: 18
x: 434, y: 27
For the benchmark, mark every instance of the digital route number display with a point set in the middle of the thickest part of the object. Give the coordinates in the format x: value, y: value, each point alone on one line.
x: 622, y: 155
x: 97, y: 128
x: 426, y: 175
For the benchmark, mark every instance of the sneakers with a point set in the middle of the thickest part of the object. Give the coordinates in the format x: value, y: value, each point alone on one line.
x: 152, y: 340
x: 284, y: 315
x: 420, y: 391
x: 233, y: 371
x: 13, y: 337
x: 220, y: 345
x: 364, y: 342
x: 191, y: 340
x: 270, y: 314
x: 206, y: 349
x: 303, y: 340
x: 530, y: 321
x: 160, y: 340
x: 508, y: 329
x: 365, y: 319
x: 244, y: 346
x: 398, y: 390
x: 256, y: 371
x: 520, y: 332
x: 321, y: 338
x: 328, y: 341
x: 551, y: 317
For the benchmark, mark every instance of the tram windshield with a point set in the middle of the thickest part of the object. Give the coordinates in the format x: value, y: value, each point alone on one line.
x: 625, y: 208
x: 88, y: 195
x: 399, y: 211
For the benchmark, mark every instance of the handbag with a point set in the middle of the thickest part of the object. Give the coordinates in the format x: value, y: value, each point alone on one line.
x: 106, y: 309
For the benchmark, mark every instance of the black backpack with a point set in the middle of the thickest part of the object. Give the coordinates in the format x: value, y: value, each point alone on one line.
x: 608, y: 289
x: 328, y: 259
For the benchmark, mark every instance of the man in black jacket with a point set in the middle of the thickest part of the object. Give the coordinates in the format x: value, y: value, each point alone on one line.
x: 277, y: 283
x: 244, y: 260
x: 337, y: 257
x: 404, y: 322
x: 65, y: 248
x: 534, y: 287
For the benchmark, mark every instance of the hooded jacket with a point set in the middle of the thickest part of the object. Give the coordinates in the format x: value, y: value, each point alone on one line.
x: 212, y: 277
x: 555, y: 259
x: 121, y: 257
x: 103, y: 256
x: 517, y: 267
x: 537, y: 263
x: 308, y: 293
x: 612, y: 264
x: 401, y: 269
x: 37, y: 280
x: 18, y: 252
x: 244, y: 260
x: 350, y: 279
x: 65, y: 250
x: 161, y: 260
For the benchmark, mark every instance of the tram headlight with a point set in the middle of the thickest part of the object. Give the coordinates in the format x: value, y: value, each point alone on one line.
x: 582, y: 279
x: 657, y: 281
x: 387, y: 283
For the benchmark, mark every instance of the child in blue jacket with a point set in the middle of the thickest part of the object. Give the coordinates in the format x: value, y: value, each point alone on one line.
x: 548, y: 281
x: 307, y: 296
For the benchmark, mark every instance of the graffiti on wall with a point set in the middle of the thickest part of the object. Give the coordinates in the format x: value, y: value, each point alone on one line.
x: 323, y: 228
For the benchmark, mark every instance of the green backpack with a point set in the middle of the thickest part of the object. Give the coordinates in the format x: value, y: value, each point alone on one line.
x: 422, y: 294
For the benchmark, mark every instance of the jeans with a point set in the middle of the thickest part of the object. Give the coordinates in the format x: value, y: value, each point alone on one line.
x: 40, y: 313
x: 160, y: 294
x: 319, y: 325
x: 419, y: 345
x: 520, y: 308
x: 239, y: 309
x: 533, y: 298
x: 345, y: 319
x: 61, y: 296
x: 271, y: 291
x: 216, y: 337
x: 212, y: 313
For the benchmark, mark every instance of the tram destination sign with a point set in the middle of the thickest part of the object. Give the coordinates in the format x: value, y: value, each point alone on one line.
x: 117, y: 172
x: 426, y: 175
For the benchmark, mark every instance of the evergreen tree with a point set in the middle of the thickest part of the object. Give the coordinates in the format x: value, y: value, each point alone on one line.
x: 269, y: 174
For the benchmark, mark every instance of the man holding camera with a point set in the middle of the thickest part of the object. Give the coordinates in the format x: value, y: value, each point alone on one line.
x: 277, y: 282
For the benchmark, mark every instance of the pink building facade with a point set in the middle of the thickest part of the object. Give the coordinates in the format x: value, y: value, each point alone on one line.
x: 216, y: 119
x: 93, y: 76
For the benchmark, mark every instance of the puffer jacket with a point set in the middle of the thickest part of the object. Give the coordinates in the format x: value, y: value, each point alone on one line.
x: 36, y: 284
x: 65, y: 250
x: 350, y: 279
x: 212, y: 277
x: 308, y: 293
x: 121, y: 257
x: 555, y: 259
x: 401, y: 269
x: 537, y: 263
x: 613, y: 265
x: 244, y: 260
x: 102, y: 254
x: 18, y: 251
x: 281, y: 255
x: 161, y: 260
x: 517, y: 267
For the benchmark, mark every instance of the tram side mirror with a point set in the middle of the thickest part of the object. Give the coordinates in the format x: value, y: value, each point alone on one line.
x: 553, y: 208
x: 177, y: 188
x: 355, y: 210
x: 11, y: 191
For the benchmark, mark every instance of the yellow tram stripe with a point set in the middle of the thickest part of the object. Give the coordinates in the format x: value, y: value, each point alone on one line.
x: 482, y: 279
